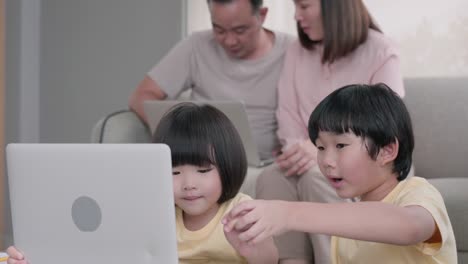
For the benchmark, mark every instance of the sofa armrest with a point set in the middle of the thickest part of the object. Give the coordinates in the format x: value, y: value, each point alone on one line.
x: 120, y: 127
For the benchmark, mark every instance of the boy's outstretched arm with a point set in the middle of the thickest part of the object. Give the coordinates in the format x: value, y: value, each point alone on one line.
x: 369, y: 221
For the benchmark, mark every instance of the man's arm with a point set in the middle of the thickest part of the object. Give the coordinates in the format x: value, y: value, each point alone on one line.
x: 146, y: 90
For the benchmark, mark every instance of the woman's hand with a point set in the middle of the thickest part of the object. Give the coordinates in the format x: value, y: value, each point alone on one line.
x: 298, y: 158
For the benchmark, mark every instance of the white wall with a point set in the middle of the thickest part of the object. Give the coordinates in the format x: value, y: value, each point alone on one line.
x: 12, y: 84
x: 12, y: 69
x: 71, y: 62
x: 93, y: 54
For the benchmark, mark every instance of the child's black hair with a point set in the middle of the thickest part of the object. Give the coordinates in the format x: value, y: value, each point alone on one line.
x: 200, y: 135
x: 373, y: 112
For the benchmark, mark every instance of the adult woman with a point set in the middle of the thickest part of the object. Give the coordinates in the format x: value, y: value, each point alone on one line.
x: 338, y: 44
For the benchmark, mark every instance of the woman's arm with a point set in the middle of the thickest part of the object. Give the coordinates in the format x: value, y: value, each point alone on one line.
x: 390, y: 74
x: 298, y: 153
x: 290, y: 126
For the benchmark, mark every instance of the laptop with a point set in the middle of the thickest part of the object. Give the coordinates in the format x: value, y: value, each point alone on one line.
x: 234, y: 110
x: 92, y: 203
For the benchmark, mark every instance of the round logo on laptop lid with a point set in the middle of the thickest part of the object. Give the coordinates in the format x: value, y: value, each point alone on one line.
x: 86, y: 214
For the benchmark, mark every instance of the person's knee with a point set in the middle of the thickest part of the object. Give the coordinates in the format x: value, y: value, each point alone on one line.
x: 312, y: 177
x: 313, y: 186
x: 271, y: 173
x: 272, y: 184
x: 294, y: 245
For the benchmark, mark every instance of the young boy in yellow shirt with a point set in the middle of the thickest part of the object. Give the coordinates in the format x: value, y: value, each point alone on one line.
x: 365, y: 141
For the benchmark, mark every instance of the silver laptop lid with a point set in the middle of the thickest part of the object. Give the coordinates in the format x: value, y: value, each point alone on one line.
x: 92, y: 203
x: 235, y: 111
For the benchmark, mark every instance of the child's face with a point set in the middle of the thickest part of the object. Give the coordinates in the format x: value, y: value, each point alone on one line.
x: 345, y: 161
x: 197, y: 190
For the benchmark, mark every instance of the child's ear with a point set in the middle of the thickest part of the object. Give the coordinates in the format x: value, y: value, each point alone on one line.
x: 388, y: 153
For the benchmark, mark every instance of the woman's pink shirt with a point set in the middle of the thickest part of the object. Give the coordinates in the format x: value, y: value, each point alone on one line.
x: 305, y: 81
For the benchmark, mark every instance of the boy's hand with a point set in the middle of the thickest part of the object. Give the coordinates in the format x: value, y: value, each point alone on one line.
x: 257, y: 220
x: 15, y: 256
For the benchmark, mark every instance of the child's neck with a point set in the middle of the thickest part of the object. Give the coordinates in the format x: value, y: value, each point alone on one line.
x: 381, y: 190
x: 197, y: 222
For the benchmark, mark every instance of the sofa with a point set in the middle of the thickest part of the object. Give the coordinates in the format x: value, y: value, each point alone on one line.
x: 439, y: 111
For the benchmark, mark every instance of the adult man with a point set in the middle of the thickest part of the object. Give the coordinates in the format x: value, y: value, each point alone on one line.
x: 237, y: 60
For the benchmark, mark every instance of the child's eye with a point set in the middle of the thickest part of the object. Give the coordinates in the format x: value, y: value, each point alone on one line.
x: 175, y: 172
x: 340, y: 146
x: 205, y: 170
x: 320, y: 148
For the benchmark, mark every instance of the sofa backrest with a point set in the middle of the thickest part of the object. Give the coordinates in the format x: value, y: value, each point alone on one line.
x: 439, y: 112
x: 438, y: 108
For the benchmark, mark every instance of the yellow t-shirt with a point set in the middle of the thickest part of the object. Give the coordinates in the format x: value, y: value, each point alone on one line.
x: 412, y: 191
x: 207, y: 245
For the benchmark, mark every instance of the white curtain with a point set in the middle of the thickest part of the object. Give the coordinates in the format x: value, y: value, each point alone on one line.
x: 432, y: 35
